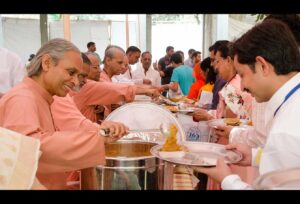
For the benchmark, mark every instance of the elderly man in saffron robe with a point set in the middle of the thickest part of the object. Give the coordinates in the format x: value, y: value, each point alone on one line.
x: 26, y: 109
x: 114, y: 61
x: 94, y: 93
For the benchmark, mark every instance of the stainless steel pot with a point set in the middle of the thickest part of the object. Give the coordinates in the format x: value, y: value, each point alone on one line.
x: 129, y: 166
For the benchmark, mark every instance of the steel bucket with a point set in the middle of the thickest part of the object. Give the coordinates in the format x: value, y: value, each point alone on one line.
x: 129, y: 166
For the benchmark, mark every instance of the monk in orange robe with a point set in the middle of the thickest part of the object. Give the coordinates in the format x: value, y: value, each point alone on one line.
x: 105, y: 92
x: 26, y: 109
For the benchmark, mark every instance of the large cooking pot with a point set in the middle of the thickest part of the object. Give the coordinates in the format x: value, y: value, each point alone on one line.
x: 129, y: 166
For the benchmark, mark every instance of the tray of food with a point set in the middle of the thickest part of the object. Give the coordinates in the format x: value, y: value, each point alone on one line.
x: 227, y: 121
x: 197, y: 154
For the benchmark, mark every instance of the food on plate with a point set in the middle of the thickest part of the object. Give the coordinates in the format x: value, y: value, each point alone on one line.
x: 171, y: 141
x: 232, y: 121
x: 176, y: 99
x: 171, y: 149
x: 172, y: 108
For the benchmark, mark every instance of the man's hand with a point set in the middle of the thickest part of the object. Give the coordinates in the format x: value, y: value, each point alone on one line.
x: 202, y: 115
x: 223, y: 131
x: 116, y: 130
x: 147, y: 81
x: 245, y: 150
x: 153, y: 93
x: 217, y: 173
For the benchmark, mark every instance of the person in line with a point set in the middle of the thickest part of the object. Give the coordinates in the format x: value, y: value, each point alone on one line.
x: 270, y: 72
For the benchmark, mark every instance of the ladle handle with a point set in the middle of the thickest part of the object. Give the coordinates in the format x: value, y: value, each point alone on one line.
x: 105, y: 131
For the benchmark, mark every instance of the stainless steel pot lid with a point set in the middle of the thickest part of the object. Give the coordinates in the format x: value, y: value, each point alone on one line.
x: 143, y: 116
x: 285, y: 179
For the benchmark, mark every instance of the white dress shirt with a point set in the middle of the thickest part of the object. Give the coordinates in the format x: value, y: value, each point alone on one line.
x: 282, y: 148
x: 121, y: 79
x: 12, y: 70
x: 139, y: 74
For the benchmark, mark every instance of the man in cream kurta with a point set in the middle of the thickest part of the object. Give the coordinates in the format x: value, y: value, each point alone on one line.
x: 146, y: 71
x: 26, y: 109
x: 274, y: 77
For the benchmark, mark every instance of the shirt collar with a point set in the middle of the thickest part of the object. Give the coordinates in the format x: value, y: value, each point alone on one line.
x: 39, y: 90
x: 279, y: 96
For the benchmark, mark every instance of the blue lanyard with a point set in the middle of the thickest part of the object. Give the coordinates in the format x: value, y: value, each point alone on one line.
x: 287, y: 97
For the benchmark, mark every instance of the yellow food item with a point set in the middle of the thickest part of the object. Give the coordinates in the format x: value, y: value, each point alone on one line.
x: 176, y: 99
x: 171, y: 142
x: 232, y: 121
x: 172, y: 108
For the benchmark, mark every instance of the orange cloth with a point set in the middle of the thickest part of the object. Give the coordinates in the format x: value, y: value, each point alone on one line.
x: 26, y: 109
x: 207, y: 87
x: 101, y: 93
x: 196, y: 86
x: 67, y: 116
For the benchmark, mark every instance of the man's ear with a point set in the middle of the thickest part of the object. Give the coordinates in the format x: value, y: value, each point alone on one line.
x: 265, y: 67
x: 46, y: 62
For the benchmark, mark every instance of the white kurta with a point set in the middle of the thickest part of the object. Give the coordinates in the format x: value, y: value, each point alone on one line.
x: 139, y: 74
x: 12, y: 70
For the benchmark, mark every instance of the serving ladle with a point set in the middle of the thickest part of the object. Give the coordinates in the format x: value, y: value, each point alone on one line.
x: 164, y: 128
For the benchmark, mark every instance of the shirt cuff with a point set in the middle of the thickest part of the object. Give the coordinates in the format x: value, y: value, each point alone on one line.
x: 232, y: 134
x: 234, y: 182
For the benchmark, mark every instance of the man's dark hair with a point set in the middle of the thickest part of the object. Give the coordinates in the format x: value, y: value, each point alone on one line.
x: 176, y: 58
x: 133, y: 49
x: 211, y: 74
x: 191, y: 51
x: 216, y: 45
x: 180, y: 52
x: 224, y: 49
x: 195, y: 54
x: 169, y: 48
x: 31, y: 57
x: 85, y: 59
x: 291, y: 20
x: 90, y: 44
x: 273, y: 41
x: 146, y: 52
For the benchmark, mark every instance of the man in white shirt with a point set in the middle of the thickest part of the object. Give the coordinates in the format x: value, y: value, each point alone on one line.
x: 268, y: 60
x: 145, y: 71
x: 12, y: 70
x: 133, y: 54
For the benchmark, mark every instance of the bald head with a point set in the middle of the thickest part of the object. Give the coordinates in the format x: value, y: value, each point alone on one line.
x: 111, y: 51
x: 114, y: 60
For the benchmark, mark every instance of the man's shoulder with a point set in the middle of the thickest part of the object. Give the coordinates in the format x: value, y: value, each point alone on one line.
x: 162, y: 59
